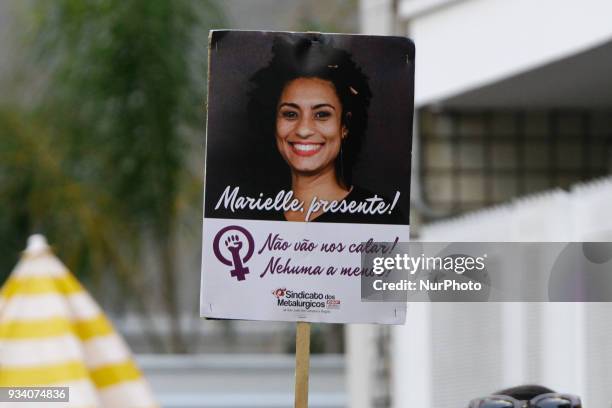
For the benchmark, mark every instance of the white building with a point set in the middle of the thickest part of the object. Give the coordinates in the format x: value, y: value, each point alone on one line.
x: 513, y: 98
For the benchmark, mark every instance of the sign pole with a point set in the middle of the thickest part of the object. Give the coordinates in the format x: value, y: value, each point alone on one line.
x: 302, y: 364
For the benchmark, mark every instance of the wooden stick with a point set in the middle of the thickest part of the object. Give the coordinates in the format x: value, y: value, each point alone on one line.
x: 302, y: 364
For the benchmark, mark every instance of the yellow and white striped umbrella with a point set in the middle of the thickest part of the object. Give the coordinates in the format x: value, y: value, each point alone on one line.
x: 52, y: 333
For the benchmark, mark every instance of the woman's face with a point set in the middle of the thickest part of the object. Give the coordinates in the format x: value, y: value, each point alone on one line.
x: 309, y: 128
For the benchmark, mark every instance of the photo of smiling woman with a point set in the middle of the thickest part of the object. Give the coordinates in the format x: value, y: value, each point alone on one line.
x: 309, y: 127
x: 312, y: 100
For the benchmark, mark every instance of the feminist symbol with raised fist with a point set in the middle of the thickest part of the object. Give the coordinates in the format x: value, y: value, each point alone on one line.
x: 235, y: 245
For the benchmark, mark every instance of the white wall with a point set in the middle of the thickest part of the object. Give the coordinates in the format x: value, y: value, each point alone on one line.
x: 468, y: 44
x: 376, y: 17
x: 360, y: 363
x: 449, y: 353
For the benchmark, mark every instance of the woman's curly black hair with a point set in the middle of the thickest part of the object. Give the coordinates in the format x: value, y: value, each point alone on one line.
x: 312, y: 56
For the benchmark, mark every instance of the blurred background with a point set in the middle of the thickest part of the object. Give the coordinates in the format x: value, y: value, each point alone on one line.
x: 101, y: 149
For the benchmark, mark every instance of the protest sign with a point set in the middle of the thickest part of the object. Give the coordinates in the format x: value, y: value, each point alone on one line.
x: 307, y: 168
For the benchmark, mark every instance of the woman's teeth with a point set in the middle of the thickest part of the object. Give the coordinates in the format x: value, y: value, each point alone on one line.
x: 306, y: 147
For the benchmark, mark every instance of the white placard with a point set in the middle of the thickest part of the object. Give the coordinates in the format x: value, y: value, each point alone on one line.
x: 307, y: 166
x: 272, y: 283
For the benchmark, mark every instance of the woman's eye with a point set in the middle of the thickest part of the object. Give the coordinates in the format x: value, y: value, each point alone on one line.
x: 322, y: 115
x: 289, y: 114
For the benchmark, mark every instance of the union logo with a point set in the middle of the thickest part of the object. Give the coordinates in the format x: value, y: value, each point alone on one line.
x: 279, y: 293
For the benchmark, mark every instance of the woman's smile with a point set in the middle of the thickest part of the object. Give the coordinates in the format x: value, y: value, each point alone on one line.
x: 306, y: 149
x: 309, y: 126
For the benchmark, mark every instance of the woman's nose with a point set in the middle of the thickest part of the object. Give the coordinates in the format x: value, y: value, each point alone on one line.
x: 305, y: 127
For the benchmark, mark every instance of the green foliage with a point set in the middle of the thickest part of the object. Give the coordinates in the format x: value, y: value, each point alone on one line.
x: 122, y: 74
x: 39, y: 193
x: 101, y: 159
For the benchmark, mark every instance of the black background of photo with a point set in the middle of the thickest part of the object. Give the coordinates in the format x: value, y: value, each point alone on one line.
x: 234, y: 154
